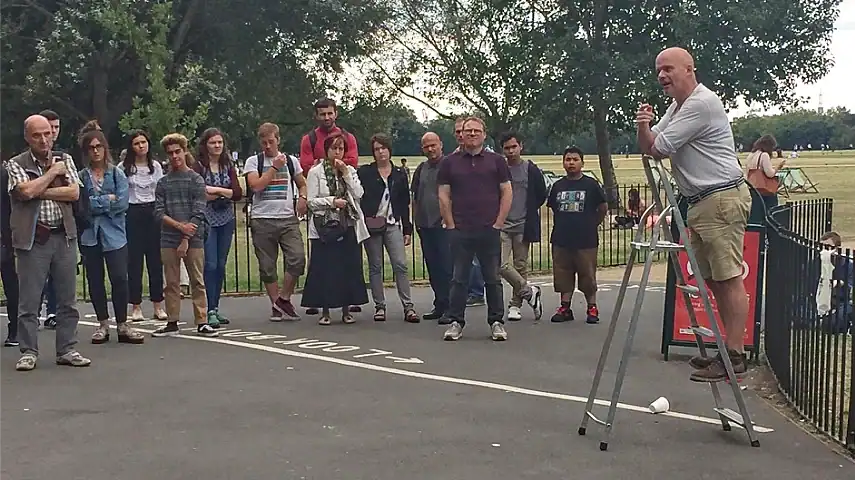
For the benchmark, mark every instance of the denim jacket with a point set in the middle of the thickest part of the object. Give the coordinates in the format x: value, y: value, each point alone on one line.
x: 108, y: 216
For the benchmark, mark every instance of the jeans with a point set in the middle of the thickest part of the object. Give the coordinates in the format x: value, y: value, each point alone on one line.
x: 485, y: 245
x: 10, y: 288
x: 476, y: 281
x: 56, y: 258
x: 393, y: 241
x: 436, y: 253
x: 217, y: 247
x: 117, y: 269
x: 49, y: 296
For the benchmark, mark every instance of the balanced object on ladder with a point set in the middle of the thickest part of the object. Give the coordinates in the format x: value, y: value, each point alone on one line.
x: 655, y: 178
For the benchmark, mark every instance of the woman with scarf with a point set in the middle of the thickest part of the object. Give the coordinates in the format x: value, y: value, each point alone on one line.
x: 336, y: 228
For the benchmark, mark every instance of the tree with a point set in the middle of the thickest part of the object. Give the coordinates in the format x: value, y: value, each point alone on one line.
x: 603, y: 54
x: 836, y: 129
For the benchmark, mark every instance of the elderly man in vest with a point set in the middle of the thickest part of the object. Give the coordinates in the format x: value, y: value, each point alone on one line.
x: 42, y: 188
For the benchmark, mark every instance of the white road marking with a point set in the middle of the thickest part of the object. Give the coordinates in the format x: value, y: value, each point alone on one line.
x: 447, y: 379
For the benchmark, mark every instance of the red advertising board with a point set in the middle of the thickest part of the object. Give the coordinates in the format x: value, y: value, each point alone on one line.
x: 751, y: 257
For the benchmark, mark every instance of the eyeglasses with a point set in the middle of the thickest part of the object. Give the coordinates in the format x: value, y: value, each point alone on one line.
x: 96, y: 147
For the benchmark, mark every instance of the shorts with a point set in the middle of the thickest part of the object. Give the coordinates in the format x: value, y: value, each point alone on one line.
x: 568, y: 264
x: 717, y: 232
x: 271, y: 234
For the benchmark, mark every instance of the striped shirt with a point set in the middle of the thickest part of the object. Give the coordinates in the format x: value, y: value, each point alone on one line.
x: 181, y: 196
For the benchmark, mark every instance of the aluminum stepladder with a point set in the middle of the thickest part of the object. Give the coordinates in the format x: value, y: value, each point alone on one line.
x: 661, y: 227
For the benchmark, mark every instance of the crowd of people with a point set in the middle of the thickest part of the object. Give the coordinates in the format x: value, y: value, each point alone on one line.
x: 472, y: 209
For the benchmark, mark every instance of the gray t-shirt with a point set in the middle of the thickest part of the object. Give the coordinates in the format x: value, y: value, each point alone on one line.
x: 699, y: 141
x: 515, y: 223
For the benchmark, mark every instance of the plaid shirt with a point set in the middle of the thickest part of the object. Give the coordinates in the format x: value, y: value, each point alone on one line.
x: 49, y: 211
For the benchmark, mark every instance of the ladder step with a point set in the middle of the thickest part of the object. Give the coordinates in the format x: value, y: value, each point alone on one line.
x: 730, y: 415
x: 660, y: 245
x: 692, y: 289
x: 703, y: 331
x: 594, y: 418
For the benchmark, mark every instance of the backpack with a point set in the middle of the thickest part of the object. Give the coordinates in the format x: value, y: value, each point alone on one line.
x: 258, y: 165
x: 313, y: 138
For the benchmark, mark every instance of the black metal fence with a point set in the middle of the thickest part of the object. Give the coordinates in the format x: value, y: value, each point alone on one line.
x: 808, y: 332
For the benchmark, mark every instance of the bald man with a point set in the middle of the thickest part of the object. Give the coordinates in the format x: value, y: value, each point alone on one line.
x: 42, y: 187
x: 695, y: 134
x: 436, y: 249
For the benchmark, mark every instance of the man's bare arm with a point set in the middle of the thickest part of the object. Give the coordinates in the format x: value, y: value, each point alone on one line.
x: 445, y: 206
x: 34, y: 188
x: 61, y: 194
x: 507, y: 195
x: 300, y: 181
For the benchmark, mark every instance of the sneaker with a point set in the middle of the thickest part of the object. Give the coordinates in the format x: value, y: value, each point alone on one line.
x: 127, y: 334
x: 50, y: 322
x: 699, y: 363
x: 286, y: 308
x: 715, y: 371
x: 26, y: 363
x: 312, y: 311
x: 535, y: 302
x: 168, y: 330
x: 433, y: 315
x: 562, y: 314
x: 213, y: 320
x: 454, y: 332
x: 276, y: 315
x: 11, y: 342
x: 475, y: 301
x: 514, y: 314
x: 498, y: 332
x: 73, y: 359
x: 205, y: 330
x: 444, y: 320
x: 593, y: 314
x: 222, y: 318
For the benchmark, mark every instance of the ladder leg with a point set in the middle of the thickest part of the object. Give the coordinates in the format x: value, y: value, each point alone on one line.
x: 627, y: 348
x: 598, y: 374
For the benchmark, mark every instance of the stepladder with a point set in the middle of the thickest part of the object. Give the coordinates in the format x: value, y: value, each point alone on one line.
x: 661, y: 239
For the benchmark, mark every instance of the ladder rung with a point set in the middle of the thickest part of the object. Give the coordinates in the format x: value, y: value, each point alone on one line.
x: 703, y: 331
x: 594, y: 418
x: 660, y: 245
x: 730, y: 415
x: 692, y: 289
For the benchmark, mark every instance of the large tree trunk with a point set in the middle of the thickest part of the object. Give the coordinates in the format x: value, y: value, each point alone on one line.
x: 607, y: 167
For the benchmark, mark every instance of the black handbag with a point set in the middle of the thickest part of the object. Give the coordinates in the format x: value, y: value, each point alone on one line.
x: 220, y: 203
x: 330, y: 225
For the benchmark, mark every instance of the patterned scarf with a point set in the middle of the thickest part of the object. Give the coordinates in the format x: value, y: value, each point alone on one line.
x: 338, y: 189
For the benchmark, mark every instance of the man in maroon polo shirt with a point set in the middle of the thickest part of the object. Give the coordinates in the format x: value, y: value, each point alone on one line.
x: 312, y: 143
x: 475, y: 197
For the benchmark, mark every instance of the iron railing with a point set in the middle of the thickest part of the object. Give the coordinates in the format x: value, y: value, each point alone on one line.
x: 811, y: 355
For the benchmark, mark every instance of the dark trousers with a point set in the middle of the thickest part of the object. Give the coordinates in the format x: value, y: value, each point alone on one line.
x: 436, y: 252
x: 11, y: 289
x: 143, y: 244
x: 485, y: 245
x: 117, y: 269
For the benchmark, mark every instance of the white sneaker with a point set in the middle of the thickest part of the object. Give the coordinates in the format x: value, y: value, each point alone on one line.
x: 535, y: 302
x: 514, y: 314
x: 498, y: 332
x: 454, y: 332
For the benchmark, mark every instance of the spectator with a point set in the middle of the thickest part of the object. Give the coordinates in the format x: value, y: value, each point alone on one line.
x: 222, y: 189
x: 436, y: 249
x: 105, y: 239
x: 180, y: 207
x: 273, y: 176
x: 579, y: 206
x: 143, y: 230
x: 7, y: 261
x: 312, y: 143
x: 762, y: 175
x: 49, y: 294
x: 336, y: 228
x: 839, y: 318
x: 475, y: 197
x: 42, y: 188
x: 386, y: 208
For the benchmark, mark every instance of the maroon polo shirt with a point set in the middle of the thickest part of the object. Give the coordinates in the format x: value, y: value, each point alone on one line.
x: 474, y: 181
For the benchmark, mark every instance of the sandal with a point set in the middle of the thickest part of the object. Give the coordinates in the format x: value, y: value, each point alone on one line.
x: 379, y: 314
x: 127, y: 334
x: 101, y: 335
x: 348, y: 319
x: 410, y: 316
x: 324, y: 320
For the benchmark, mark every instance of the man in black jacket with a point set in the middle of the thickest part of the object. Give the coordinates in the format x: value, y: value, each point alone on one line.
x: 522, y: 227
x: 7, y: 260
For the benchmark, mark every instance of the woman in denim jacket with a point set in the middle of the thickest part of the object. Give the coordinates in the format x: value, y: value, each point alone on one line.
x: 105, y: 239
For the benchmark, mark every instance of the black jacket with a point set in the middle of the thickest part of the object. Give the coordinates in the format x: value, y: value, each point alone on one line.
x: 536, y: 196
x: 399, y: 191
x: 5, y: 214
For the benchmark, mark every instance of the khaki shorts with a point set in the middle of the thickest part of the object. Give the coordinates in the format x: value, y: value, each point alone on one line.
x: 568, y: 264
x: 269, y: 235
x: 717, y: 232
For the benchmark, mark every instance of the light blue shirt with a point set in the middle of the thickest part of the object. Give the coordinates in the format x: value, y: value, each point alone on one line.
x: 108, y: 216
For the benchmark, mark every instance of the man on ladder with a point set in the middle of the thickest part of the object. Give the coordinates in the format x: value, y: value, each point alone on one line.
x: 695, y: 133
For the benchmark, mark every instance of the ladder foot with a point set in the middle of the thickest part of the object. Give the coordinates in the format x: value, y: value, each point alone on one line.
x: 604, y: 446
x: 726, y: 428
x: 755, y: 443
x: 582, y: 431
